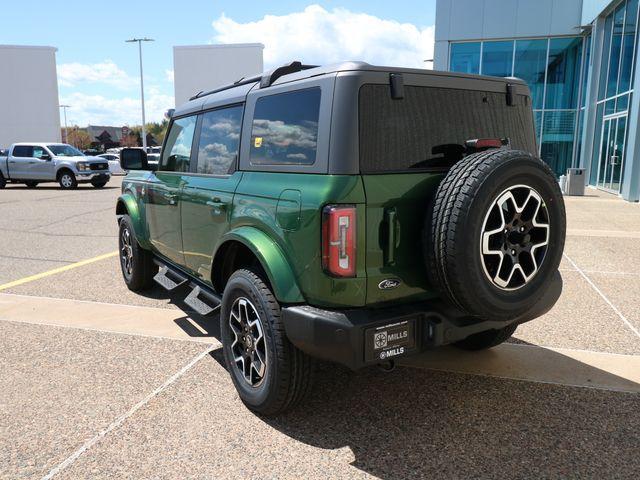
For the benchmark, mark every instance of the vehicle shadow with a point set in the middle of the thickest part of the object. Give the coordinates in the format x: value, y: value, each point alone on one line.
x: 422, y: 423
x: 415, y: 423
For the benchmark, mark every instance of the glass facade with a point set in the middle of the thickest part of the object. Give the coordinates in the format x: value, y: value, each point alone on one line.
x: 553, y: 69
x: 614, y: 91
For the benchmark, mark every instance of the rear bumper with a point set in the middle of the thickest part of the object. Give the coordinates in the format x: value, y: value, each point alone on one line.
x: 360, y: 337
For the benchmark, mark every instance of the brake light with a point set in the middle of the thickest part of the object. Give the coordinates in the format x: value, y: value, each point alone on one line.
x: 483, y: 143
x: 339, y: 240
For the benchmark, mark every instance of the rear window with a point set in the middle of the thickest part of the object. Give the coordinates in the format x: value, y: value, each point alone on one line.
x: 285, y: 128
x: 429, y: 126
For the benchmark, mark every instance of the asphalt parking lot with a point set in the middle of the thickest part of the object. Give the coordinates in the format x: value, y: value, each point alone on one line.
x: 98, y: 382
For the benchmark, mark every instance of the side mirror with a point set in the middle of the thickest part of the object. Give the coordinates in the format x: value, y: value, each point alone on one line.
x: 134, y: 159
x: 45, y: 156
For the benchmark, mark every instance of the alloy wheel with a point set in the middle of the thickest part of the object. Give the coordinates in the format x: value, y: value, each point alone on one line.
x: 126, y: 252
x: 249, y: 348
x: 515, y: 237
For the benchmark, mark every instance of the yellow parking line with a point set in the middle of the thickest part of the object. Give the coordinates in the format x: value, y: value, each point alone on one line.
x: 38, y: 276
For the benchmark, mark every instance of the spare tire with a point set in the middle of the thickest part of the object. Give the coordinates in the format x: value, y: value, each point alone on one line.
x: 495, y: 235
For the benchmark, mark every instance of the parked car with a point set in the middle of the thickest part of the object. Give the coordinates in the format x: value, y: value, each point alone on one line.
x: 34, y: 163
x: 114, y: 163
x: 351, y: 213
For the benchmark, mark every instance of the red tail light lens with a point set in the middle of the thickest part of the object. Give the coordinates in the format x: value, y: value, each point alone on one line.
x: 339, y: 240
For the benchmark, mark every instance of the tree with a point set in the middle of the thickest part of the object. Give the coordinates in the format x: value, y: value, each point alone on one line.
x: 79, y: 138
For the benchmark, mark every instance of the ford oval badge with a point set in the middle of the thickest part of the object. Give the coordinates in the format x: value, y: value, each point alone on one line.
x: 389, y: 283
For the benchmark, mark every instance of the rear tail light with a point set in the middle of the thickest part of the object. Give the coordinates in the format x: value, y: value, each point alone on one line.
x: 339, y: 240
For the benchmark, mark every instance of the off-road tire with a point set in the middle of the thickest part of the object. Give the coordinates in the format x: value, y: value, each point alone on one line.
x: 487, y: 339
x: 3, y: 182
x: 31, y: 184
x: 454, y: 227
x: 143, y: 269
x: 67, y: 180
x: 289, y: 372
x: 99, y: 184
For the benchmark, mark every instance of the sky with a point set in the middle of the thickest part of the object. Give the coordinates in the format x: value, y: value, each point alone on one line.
x: 98, y: 72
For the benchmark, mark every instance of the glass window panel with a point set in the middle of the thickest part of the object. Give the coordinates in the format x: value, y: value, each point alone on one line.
x: 586, y: 70
x: 497, y: 59
x: 285, y: 128
x: 531, y: 58
x: 558, y: 132
x: 563, y: 75
x: 622, y: 103
x: 602, y: 83
x: 628, y: 43
x: 610, y: 106
x: 219, y: 139
x: 176, y: 153
x: 595, y: 147
x: 616, y: 47
x: 465, y: 57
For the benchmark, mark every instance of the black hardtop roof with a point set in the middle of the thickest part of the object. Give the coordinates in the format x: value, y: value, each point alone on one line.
x: 297, y: 71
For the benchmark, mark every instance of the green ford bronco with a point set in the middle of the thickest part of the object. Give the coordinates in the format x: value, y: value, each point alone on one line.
x: 349, y: 213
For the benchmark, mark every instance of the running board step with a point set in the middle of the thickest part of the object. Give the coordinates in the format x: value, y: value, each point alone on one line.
x: 169, y: 279
x: 203, y: 302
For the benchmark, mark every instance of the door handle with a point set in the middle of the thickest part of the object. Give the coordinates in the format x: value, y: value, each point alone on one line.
x: 216, y: 205
x: 171, y: 199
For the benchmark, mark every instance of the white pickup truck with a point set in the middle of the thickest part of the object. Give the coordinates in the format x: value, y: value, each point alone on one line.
x: 34, y: 163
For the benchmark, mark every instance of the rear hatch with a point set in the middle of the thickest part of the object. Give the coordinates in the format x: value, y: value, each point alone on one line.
x: 406, y: 147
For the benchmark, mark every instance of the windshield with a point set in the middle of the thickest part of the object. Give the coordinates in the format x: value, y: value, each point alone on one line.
x: 65, y: 151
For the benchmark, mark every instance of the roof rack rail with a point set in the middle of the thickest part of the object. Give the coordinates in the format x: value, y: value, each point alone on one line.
x: 237, y: 83
x: 269, y: 78
x: 266, y: 79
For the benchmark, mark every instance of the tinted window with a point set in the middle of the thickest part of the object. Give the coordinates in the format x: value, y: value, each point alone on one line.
x: 22, y: 151
x: 531, y: 60
x: 285, y: 128
x: 465, y: 57
x: 219, y: 140
x: 177, y: 153
x: 428, y: 128
x: 497, y: 58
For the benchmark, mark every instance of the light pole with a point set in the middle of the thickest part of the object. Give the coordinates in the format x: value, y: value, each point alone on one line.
x: 140, y: 40
x: 66, y: 130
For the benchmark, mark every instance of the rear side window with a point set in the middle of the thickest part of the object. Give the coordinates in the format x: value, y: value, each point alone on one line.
x: 219, y: 140
x: 176, y: 155
x: 429, y: 126
x: 285, y: 128
x: 22, y: 151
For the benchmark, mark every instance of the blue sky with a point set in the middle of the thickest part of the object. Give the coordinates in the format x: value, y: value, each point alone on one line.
x: 98, y: 71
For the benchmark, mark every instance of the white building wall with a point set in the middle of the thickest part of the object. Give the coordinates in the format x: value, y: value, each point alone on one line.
x: 29, y: 109
x: 205, y: 67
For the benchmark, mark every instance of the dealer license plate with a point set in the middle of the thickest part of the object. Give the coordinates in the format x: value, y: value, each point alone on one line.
x: 389, y: 341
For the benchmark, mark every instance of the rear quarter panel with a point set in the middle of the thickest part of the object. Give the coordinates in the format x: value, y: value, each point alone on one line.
x: 288, y: 207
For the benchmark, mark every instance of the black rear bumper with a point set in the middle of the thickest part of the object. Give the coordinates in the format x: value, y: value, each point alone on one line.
x: 361, y: 337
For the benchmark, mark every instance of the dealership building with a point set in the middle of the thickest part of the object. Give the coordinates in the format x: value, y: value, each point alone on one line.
x: 579, y: 59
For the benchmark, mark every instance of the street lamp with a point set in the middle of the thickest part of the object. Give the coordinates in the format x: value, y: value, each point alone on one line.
x: 66, y: 130
x: 140, y: 40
